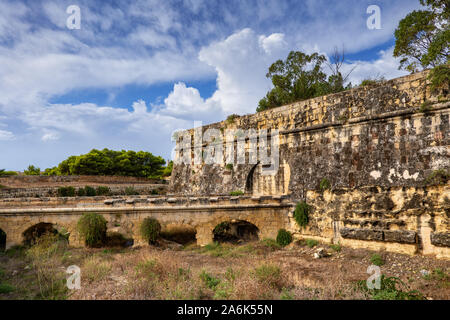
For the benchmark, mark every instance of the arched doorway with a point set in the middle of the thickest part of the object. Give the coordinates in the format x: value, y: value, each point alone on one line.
x: 235, y: 231
x: 33, y: 233
x: 249, y: 180
x: 2, y: 240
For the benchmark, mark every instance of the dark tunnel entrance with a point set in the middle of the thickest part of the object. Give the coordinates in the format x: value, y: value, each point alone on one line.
x: 235, y: 231
x: 33, y: 233
x: 2, y: 240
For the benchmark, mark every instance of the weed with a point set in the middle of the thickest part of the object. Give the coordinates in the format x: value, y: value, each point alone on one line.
x: 236, y: 193
x: 271, y: 243
x: 376, y: 259
x: 389, y: 290
x: 311, y: 243
x: 209, y: 280
x: 284, y: 237
x: 336, y: 247
x: 324, y: 184
x: 301, y: 214
x: 269, y: 274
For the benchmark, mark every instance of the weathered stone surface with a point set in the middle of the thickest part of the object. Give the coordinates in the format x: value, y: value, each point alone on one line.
x: 440, y: 239
x: 362, y: 234
x: 400, y: 236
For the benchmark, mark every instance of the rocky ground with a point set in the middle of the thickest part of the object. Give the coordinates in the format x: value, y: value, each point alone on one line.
x: 257, y: 270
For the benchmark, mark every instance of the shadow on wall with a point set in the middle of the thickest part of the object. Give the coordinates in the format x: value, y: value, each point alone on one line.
x: 235, y: 231
x: 2, y: 240
x: 33, y: 233
x: 180, y: 234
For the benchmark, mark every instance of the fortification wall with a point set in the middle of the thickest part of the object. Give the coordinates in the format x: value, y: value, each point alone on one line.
x: 384, y: 149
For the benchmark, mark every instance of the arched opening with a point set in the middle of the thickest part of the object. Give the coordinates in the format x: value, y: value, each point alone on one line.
x: 118, y: 240
x: 235, y: 231
x: 2, y: 240
x: 180, y: 234
x: 33, y: 233
x: 249, y: 180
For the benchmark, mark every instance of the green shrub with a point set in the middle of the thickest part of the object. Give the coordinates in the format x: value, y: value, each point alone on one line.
x: 6, y: 288
x: 272, y: 244
x: 284, y: 237
x: 92, y: 228
x: 336, y: 247
x: 231, y: 118
x: 209, y: 280
x: 425, y: 107
x: 150, y: 229
x: 4, y: 173
x: 388, y: 290
x: 66, y: 192
x: 439, y: 177
x: 236, y: 193
x: 130, y: 191
x: 440, y: 77
x: 324, y: 184
x: 229, y: 166
x: 81, y: 192
x: 376, y: 259
x: 90, y: 192
x: 32, y: 171
x: 103, y: 191
x: 311, y: 243
x: 301, y: 214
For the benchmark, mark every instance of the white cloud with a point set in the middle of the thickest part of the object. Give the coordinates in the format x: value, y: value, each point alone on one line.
x: 6, y: 135
x: 385, y: 66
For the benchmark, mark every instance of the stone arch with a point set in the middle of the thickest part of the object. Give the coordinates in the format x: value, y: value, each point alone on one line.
x: 250, y: 181
x: 3, y: 236
x: 35, y: 231
x: 234, y: 230
x: 179, y: 233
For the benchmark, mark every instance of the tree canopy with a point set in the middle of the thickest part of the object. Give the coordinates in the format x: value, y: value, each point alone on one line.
x: 301, y: 77
x: 423, y: 37
x: 109, y: 162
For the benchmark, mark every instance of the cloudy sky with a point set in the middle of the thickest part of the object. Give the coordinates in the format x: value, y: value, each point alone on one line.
x: 136, y: 71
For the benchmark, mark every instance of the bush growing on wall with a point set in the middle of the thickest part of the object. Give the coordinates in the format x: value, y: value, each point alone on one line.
x: 92, y: 228
x: 301, y: 214
x: 284, y: 237
x: 103, y: 191
x: 150, y: 229
x: 66, y: 192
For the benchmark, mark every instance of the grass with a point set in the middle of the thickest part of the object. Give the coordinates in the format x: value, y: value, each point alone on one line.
x: 95, y: 269
x: 390, y: 289
x: 6, y: 288
x: 210, y: 281
x: 311, y: 243
x: 271, y: 244
x: 270, y: 274
x: 336, y: 247
x: 236, y: 193
x: 376, y: 259
x: 219, y: 271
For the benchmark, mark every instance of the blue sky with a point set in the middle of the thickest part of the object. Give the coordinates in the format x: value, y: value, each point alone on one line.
x: 136, y: 71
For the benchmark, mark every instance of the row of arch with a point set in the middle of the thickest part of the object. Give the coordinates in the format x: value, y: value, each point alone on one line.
x: 228, y: 231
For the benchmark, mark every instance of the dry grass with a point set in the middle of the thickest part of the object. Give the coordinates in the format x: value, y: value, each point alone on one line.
x: 250, y: 271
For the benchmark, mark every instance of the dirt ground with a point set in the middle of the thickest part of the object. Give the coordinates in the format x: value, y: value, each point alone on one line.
x: 251, y: 271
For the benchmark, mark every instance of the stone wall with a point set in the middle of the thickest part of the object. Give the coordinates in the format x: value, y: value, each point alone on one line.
x: 391, y: 134
x: 380, y: 148
x: 125, y: 215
